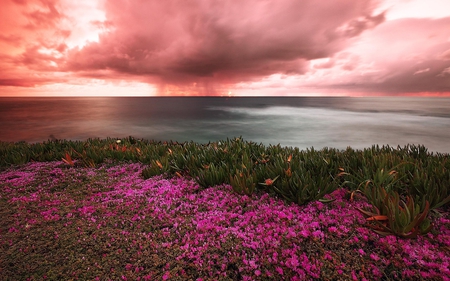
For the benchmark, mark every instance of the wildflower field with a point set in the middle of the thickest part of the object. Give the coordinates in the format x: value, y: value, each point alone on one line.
x: 67, y: 215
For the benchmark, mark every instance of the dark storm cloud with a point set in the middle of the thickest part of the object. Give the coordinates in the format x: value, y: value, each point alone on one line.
x: 181, y: 42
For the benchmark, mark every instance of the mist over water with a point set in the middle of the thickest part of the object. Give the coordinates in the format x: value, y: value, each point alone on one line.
x: 303, y: 122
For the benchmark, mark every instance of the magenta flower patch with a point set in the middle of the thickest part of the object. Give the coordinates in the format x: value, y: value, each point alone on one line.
x: 109, y: 223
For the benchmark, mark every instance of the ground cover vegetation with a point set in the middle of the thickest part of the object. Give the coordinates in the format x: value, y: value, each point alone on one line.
x: 133, y: 209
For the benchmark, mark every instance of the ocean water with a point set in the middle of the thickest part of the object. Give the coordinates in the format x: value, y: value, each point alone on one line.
x: 303, y: 122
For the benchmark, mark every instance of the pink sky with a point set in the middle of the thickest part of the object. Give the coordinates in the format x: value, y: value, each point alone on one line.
x: 229, y: 47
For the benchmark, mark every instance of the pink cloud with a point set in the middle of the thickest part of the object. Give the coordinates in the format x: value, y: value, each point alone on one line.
x: 214, y: 47
x: 399, y: 56
x: 421, y: 71
x: 327, y: 64
x: 183, y: 42
x: 445, y: 55
x: 445, y: 72
x: 11, y: 39
x: 47, y: 15
x: 31, y: 42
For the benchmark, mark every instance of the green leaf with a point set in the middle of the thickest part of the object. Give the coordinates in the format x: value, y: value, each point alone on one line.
x: 323, y: 200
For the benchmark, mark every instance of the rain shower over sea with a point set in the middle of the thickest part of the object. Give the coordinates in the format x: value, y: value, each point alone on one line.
x: 304, y: 122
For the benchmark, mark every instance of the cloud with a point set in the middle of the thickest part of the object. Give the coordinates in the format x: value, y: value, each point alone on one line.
x: 324, y: 64
x: 397, y: 57
x: 210, y: 47
x: 359, y: 25
x: 21, y: 82
x: 421, y: 71
x: 212, y: 42
x: 32, y: 42
x: 445, y: 72
x: 445, y: 55
x: 45, y: 15
x: 11, y: 39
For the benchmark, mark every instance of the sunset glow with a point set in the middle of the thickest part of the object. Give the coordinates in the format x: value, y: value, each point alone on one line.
x: 225, y: 48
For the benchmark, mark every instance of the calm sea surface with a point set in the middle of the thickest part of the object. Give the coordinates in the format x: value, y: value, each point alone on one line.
x: 303, y: 122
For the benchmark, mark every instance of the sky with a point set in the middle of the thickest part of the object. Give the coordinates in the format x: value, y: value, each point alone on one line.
x: 225, y: 48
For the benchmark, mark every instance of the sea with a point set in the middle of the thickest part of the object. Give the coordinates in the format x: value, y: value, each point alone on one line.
x: 303, y: 122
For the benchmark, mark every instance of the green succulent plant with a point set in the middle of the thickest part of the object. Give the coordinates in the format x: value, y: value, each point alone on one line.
x: 396, y: 217
x: 243, y: 182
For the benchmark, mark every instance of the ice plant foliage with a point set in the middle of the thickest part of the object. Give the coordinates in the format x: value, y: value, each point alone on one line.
x: 303, y: 176
x: 63, y: 222
x: 394, y: 216
x: 401, y: 197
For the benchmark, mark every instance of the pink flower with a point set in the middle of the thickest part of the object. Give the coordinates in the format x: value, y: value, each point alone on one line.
x: 279, y: 270
x: 147, y: 277
x: 166, y: 275
x: 318, y: 234
x: 332, y: 229
x: 293, y: 261
x: 328, y: 256
x: 408, y: 273
x: 314, y: 225
x: 304, y: 233
x: 375, y: 257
